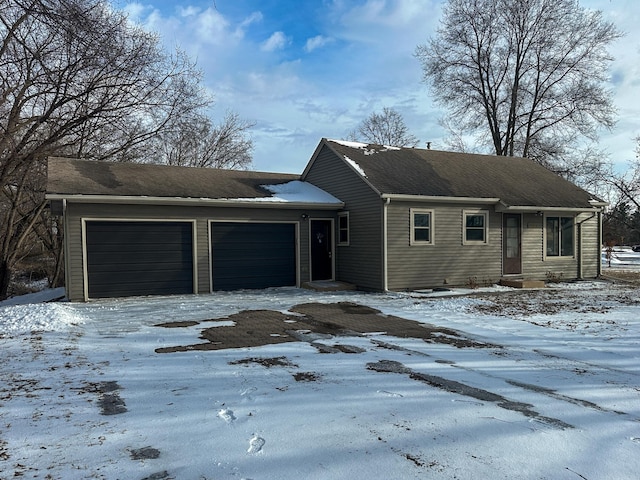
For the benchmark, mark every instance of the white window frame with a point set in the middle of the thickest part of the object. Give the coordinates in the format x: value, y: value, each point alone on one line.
x: 546, y: 236
x: 339, y: 229
x: 483, y: 213
x: 431, y: 228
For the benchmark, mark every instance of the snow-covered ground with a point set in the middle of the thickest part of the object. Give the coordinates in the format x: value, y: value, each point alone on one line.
x: 84, y: 395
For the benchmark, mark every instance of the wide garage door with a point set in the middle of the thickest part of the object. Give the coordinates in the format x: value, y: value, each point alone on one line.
x: 139, y: 258
x: 253, y: 255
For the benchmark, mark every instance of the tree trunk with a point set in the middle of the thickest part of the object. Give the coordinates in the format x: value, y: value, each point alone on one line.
x: 5, y: 277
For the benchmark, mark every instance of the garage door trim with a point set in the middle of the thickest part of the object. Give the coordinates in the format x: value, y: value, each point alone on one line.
x: 296, y: 225
x: 85, y: 266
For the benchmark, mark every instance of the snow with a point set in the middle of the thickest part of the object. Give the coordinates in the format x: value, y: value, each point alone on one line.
x: 622, y: 257
x: 45, y: 295
x: 355, y: 166
x: 297, y: 191
x: 556, y: 395
x: 364, y: 146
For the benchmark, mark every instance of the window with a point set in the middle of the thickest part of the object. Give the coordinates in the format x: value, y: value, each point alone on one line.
x: 343, y: 228
x: 475, y: 227
x: 421, y: 227
x: 560, y: 237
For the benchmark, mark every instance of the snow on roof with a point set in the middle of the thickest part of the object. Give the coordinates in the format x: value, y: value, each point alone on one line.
x: 296, y: 192
x: 369, y: 148
x: 357, y: 167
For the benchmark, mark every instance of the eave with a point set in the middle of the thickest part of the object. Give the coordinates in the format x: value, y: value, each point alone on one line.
x: 210, y: 202
x: 438, y: 199
x: 501, y: 207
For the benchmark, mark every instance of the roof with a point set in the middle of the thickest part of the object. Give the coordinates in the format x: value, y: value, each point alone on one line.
x: 106, y: 181
x: 513, y: 181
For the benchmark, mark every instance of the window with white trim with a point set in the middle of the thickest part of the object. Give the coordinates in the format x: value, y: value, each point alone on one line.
x: 560, y: 236
x: 476, y: 227
x: 343, y: 228
x: 421, y: 227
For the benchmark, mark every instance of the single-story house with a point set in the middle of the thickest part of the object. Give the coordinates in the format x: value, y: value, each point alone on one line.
x: 381, y: 218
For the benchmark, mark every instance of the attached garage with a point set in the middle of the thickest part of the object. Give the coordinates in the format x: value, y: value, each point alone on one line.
x: 142, y: 229
x: 127, y: 258
x: 253, y: 255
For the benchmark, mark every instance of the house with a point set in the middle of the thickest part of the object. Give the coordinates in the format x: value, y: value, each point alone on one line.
x: 381, y: 218
x: 416, y: 218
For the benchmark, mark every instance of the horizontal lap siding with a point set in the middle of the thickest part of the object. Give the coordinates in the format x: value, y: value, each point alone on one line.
x: 201, y: 214
x: 591, y: 255
x: 447, y: 261
x: 536, y: 266
x: 360, y: 262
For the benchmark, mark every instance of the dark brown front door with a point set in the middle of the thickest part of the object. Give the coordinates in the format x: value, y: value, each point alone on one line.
x: 511, y: 244
x: 321, y: 250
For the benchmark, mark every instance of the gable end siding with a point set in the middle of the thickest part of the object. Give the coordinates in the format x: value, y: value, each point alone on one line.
x: 360, y: 262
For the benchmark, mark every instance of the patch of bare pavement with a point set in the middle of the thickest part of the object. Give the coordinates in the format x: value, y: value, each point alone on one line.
x: 253, y: 328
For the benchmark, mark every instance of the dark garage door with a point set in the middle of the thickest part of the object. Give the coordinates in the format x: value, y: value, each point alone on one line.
x: 253, y: 255
x: 139, y: 258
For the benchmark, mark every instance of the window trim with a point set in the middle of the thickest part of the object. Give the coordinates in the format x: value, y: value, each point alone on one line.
x: 559, y: 238
x: 485, y: 228
x: 412, y: 213
x: 347, y: 230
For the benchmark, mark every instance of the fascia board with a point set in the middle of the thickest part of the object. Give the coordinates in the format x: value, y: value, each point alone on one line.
x: 215, y: 202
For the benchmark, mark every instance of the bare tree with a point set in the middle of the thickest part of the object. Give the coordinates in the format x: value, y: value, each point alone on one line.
x: 527, y: 76
x: 386, y: 128
x: 76, y: 79
x: 196, y: 142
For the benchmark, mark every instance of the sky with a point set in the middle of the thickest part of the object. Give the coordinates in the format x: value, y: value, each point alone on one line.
x: 307, y: 69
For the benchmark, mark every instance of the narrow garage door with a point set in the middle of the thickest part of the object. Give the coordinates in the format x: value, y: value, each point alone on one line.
x: 253, y: 255
x: 139, y: 258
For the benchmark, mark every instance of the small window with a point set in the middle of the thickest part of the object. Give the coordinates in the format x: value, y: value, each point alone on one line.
x: 343, y: 228
x: 421, y: 227
x: 560, y: 237
x: 475, y: 227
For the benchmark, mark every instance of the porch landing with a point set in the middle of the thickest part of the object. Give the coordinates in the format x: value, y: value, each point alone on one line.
x: 521, y: 283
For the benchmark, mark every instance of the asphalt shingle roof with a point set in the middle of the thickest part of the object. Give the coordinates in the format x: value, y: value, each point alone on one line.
x: 413, y: 171
x: 82, y: 177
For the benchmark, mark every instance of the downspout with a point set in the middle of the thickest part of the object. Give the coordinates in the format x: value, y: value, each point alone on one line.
x: 581, y: 249
x: 385, y: 278
x: 65, y: 246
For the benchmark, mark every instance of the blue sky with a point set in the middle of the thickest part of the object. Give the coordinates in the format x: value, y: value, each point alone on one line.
x: 307, y: 69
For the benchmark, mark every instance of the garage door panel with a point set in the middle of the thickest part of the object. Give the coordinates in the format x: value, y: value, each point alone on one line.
x: 139, y: 258
x: 253, y: 255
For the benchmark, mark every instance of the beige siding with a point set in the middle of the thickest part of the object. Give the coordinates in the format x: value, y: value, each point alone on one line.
x: 592, y: 244
x: 200, y: 214
x: 360, y: 262
x: 448, y: 261
x: 537, y: 266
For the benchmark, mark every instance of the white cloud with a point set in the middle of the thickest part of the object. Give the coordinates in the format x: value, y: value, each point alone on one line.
x: 316, y: 42
x: 212, y: 27
x: 277, y: 41
x: 255, y: 17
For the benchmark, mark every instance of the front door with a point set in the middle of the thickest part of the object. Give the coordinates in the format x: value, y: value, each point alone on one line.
x: 511, y: 244
x: 321, y: 250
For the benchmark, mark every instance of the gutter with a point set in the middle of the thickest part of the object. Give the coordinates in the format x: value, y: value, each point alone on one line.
x: 214, y: 202
x: 438, y: 199
x: 533, y: 209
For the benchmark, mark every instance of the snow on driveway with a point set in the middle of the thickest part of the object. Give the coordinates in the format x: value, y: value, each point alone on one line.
x: 84, y: 395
